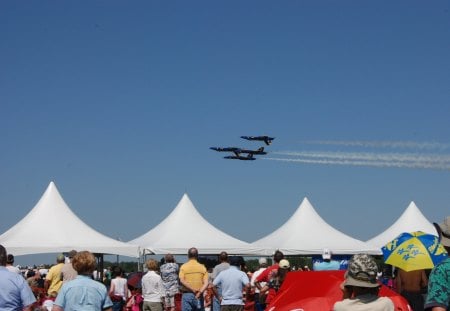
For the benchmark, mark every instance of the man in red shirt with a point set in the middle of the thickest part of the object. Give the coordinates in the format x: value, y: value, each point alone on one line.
x: 266, y: 274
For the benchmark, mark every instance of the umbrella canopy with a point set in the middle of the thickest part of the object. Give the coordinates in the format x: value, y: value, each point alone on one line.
x: 318, y: 291
x: 134, y: 279
x: 414, y: 251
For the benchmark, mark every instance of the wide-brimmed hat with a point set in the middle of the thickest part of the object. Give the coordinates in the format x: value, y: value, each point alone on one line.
x: 444, y: 231
x: 362, y: 271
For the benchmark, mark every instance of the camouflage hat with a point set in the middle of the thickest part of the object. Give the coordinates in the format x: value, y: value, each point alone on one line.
x: 443, y: 230
x: 362, y: 271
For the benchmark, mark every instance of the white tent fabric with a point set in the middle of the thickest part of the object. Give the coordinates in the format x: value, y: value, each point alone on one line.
x: 184, y: 227
x: 306, y: 233
x: 66, y: 232
x: 411, y: 220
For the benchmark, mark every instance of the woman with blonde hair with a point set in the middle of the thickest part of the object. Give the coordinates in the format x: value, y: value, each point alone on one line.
x: 152, y: 288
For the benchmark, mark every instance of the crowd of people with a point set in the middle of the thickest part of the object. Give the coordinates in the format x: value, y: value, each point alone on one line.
x: 69, y: 284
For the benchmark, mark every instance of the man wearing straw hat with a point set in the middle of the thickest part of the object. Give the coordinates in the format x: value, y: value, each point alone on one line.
x: 438, y: 298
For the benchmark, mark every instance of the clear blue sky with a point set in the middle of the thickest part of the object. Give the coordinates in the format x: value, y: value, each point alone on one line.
x: 118, y: 102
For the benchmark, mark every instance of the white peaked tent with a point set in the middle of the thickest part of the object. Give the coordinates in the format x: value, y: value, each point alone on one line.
x: 31, y: 235
x: 411, y: 220
x: 306, y: 233
x: 184, y: 227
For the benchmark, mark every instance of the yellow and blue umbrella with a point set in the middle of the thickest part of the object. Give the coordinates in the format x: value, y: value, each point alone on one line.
x: 414, y: 251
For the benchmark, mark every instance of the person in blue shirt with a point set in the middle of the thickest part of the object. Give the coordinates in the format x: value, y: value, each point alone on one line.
x: 327, y: 263
x: 232, y: 282
x: 83, y: 293
x: 15, y: 294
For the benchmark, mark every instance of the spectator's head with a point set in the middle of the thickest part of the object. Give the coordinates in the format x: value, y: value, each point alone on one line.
x: 169, y: 258
x: 278, y: 256
x: 10, y: 259
x: 60, y: 258
x: 284, y: 264
x: 30, y: 273
x: 362, y: 272
x: 84, y: 263
x: 326, y: 254
x: 193, y: 253
x: 117, y: 271
x: 443, y: 229
x: 72, y: 253
x: 223, y: 257
x: 262, y: 262
x: 236, y: 261
x: 152, y: 265
x: 2, y: 256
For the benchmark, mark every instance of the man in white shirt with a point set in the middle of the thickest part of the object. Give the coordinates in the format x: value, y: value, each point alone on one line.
x: 259, y: 305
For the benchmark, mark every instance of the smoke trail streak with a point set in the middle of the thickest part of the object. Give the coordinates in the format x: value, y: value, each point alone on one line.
x: 384, y: 144
x: 355, y: 156
x: 419, y: 164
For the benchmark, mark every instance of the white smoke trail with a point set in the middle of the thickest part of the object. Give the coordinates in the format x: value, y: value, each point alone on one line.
x: 399, y: 164
x: 381, y: 157
x: 384, y: 144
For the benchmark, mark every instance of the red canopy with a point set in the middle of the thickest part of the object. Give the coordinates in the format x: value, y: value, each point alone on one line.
x: 318, y: 291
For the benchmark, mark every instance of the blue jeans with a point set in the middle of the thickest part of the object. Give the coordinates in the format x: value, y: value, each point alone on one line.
x: 190, y: 303
x: 117, y: 305
x: 216, y: 304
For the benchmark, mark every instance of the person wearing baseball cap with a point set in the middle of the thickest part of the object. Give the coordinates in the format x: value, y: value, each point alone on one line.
x: 327, y: 263
x: 438, y: 297
x: 361, y: 287
x: 276, y: 280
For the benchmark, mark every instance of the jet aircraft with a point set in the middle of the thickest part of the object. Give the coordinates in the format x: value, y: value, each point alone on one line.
x: 239, y: 157
x: 235, y: 150
x: 257, y: 151
x: 238, y: 151
x: 266, y: 139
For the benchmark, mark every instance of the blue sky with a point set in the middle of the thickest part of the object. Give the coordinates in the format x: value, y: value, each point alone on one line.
x: 118, y: 103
